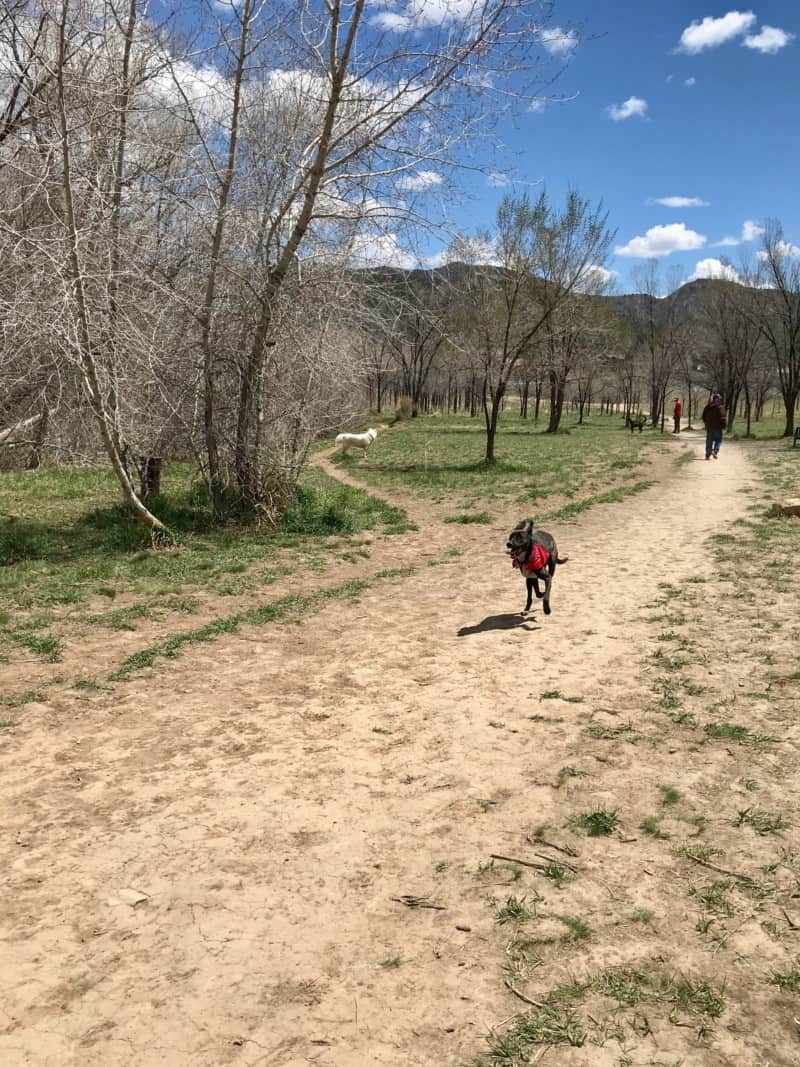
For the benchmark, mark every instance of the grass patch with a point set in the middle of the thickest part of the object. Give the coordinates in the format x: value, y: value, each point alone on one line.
x: 714, y: 897
x: 727, y: 731
x: 557, y: 874
x: 566, y: 773
x: 579, y: 930
x: 613, y: 496
x: 277, y: 611
x: 597, y: 823
x: 48, y: 647
x: 556, y: 1019
x: 515, y: 910
x: 789, y: 981
x: 669, y: 795
x: 550, y: 1025
x: 651, y: 825
x: 642, y: 915
x: 482, y: 518
x: 20, y: 699
x: 608, y: 733
x: 763, y: 822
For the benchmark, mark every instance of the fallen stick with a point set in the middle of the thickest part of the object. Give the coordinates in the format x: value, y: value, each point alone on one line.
x: 526, y: 1000
x: 522, y: 863
x: 418, y: 902
x: 551, y: 862
x: 568, y: 850
x: 720, y: 870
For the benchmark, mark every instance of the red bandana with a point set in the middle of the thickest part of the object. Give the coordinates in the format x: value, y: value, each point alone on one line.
x: 538, y: 559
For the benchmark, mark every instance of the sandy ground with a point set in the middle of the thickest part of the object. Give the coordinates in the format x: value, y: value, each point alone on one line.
x: 206, y: 865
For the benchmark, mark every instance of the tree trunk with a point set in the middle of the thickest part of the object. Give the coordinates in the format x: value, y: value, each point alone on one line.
x: 151, y: 477
x: 557, y: 388
x: 83, y: 342
x: 35, y: 458
x: 491, y: 417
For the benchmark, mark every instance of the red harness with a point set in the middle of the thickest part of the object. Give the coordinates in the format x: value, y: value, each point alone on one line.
x: 539, y: 558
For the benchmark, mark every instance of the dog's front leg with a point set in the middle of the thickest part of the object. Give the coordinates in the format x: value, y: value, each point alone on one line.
x: 529, y: 585
x: 536, y: 589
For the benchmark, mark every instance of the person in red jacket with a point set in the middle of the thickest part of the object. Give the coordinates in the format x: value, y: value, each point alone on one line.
x: 676, y: 414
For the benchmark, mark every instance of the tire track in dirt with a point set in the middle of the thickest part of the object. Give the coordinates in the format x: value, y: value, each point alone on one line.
x: 271, y: 794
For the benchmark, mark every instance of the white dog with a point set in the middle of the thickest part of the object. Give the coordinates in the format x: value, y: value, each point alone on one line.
x: 356, y: 440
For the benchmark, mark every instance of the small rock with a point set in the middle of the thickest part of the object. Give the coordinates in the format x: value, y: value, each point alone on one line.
x: 464, y: 929
x: 131, y: 897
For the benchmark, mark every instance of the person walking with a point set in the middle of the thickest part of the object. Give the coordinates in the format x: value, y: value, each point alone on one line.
x: 714, y: 422
x: 676, y: 414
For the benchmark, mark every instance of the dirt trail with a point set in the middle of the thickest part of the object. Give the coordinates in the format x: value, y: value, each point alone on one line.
x: 268, y: 795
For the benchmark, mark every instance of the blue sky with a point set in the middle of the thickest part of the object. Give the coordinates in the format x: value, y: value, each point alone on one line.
x: 730, y: 138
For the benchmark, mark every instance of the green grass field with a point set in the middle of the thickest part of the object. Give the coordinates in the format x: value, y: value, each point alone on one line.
x: 64, y: 539
x: 442, y: 458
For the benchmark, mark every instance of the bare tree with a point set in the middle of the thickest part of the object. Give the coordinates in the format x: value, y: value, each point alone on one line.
x: 657, y: 326
x: 729, y: 339
x: 544, y: 256
x: 776, y: 298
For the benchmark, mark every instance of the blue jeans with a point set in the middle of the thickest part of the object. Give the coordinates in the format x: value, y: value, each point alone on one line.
x: 713, y: 441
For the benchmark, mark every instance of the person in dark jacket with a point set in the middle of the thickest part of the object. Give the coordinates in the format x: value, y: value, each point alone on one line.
x: 714, y: 422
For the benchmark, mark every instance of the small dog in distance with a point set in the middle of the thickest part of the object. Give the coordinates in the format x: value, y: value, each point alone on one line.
x: 356, y: 440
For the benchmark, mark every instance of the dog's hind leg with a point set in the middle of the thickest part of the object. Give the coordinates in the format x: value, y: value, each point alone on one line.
x: 529, y: 583
x: 548, y: 581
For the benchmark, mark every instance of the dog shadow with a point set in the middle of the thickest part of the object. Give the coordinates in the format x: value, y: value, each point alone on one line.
x: 509, y: 621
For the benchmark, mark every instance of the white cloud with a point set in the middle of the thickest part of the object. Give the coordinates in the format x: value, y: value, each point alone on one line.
x: 750, y: 232
x: 423, y: 14
x: 690, y: 82
x: 559, y: 42
x: 661, y: 241
x: 768, y: 40
x: 681, y: 201
x: 715, y: 268
x: 711, y: 32
x: 726, y: 242
x: 420, y: 180
x: 634, y: 105
x: 380, y: 250
x: 784, y: 249
x: 596, y: 278
x: 497, y: 180
x: 537, y: 104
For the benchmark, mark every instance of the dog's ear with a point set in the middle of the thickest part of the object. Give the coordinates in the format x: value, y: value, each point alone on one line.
x: 529, y: 526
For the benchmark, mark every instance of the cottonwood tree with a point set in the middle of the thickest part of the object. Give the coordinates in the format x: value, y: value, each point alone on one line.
x: 657, y: 327
x: 543, y: 256
x: 573, y: 341
x: 355, y: 99
x: 729, y: 339
x: 775, y: 298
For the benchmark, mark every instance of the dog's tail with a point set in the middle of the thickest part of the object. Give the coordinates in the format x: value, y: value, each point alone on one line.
x: 560, y: 560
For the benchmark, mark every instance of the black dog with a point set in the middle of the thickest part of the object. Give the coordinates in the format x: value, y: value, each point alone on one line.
x: 535, y: 553
x: 636, y: 422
